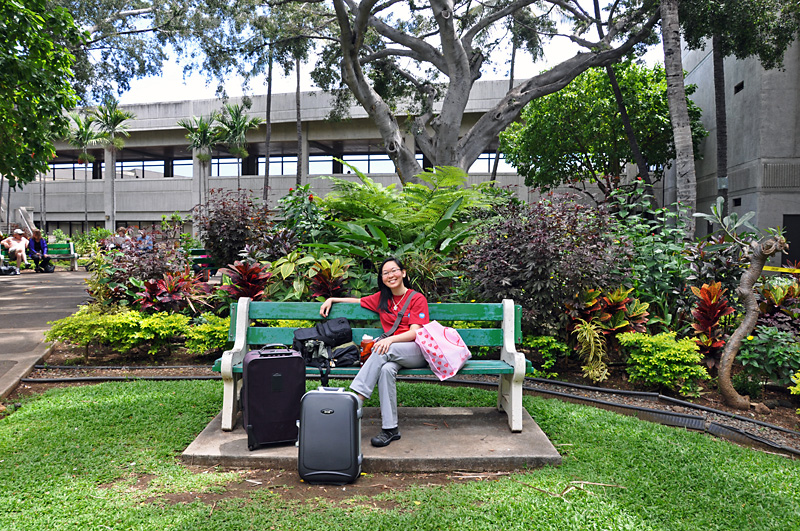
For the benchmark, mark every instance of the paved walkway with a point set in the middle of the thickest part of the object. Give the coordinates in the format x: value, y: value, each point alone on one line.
x: 27, y: 302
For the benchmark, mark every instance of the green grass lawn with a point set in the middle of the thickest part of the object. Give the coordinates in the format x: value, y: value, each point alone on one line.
x: 70, y: 458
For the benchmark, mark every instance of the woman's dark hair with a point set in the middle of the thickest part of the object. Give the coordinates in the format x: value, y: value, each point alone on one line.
x: 386, y: 293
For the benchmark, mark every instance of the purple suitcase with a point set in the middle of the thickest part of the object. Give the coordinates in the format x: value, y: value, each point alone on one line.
x: 274, y: 381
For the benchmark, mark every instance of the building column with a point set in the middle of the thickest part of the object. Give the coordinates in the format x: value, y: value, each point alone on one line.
x: 109, y: 195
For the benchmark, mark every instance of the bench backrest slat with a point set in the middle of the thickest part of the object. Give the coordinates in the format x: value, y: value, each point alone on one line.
x: 260, y: 335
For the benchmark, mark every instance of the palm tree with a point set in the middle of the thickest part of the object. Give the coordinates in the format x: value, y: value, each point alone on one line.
x: 83, y: 136
x: 233, y: 126
x: 202, y: 136
x: 111, y: 122
x: 679, y: 113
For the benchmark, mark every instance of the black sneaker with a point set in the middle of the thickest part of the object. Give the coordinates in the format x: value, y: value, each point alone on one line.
x: 385, y: 437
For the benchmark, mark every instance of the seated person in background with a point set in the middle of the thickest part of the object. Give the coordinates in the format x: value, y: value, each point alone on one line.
x: 37, y: 249
x: 16, y: 244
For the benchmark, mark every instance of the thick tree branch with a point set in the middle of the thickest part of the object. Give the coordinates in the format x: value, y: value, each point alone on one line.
x: 506, y: 111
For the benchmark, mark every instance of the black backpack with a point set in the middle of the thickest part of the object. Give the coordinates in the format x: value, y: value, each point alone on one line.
x: 327, y: 344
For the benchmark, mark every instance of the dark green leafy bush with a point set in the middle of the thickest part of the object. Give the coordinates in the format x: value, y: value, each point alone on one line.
x: 541, y: 255
x: 772, y: 355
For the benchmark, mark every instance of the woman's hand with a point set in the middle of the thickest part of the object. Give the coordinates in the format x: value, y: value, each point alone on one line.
x: 325, y: 309
x: 382, y: 346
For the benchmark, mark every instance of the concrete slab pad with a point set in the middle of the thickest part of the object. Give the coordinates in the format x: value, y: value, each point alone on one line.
x: 433, y: 440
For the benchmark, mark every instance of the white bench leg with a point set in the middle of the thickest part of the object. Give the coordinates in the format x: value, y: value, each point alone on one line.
x: 230, y: 402
x: 509, y: 399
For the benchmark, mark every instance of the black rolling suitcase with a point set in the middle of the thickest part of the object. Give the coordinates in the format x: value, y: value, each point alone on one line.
x: 274, y: 380
x: 330, y: 437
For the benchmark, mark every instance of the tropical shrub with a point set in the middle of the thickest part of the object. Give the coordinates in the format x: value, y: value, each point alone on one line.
x: 662, y: 361
x: 208, y: 334
x: 550, y: 349
x: 772, y: 355
x: 541, y: 255
x: 591, y: 346
x: 779, y: 304
x: 290, y: 277
x: 302, y: 214
x: 795, y: 389
x: 245, y: 279
x: 432, y: 274
x: 328, y: 276
x: 175, y: 293
x: 225, y: 223
x: 712, y: 306
x: 126, y: 331
x: 715, y: 259
x: 58, y: 236
x: 84, y: 241
x: 653, y: 238
x: 613, y: 311
x: 120, y: 265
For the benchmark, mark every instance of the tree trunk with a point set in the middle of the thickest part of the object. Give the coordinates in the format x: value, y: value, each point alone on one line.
x: 299, y: 181
x: 644, y: 171
x: 722, y: 120
x: 679, y: 114
x: 759, y: 253
x: 268, y: 136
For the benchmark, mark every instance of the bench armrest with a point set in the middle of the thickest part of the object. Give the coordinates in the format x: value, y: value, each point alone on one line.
x: 230, y: 358
x: 510, y: 393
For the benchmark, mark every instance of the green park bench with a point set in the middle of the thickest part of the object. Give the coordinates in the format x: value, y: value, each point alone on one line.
x: 202, y: 262
x: 248, y: 333
x: 57, y: 251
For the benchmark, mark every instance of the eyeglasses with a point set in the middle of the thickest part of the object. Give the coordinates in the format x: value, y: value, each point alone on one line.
x: 390, y: 272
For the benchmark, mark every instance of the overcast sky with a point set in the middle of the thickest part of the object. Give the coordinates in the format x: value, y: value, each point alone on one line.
x: 171, y: 86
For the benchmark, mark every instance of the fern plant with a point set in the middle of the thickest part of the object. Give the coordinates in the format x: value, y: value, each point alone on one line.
x: 592, y: 349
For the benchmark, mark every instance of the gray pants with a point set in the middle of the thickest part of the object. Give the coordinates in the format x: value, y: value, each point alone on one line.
x: 381, y: 369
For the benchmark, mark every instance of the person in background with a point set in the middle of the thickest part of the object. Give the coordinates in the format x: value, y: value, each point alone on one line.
x: 37, y: 249
x: 391, y: 353
x: 16, y: 244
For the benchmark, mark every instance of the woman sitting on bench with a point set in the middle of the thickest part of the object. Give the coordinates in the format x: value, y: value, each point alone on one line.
x: 391, y: 353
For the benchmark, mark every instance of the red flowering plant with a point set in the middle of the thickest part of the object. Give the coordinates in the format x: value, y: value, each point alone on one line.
x: 712, y: 306
x: 302, y: 214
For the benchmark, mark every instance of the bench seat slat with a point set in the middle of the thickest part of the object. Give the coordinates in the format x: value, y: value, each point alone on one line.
x: 470, y: 367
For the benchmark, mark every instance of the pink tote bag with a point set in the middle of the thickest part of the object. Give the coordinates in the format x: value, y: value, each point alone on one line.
x: 443, y: 348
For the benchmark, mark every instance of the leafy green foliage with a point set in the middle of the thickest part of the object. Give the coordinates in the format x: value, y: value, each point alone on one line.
x: 290, y: 282
x: 541, y: 255
x: 614, y: 312
x: 83, y: 240
x: 303, y: 219
x: 208, y: 334
x: 712, y: 306
x: 375, y: 222
x: 58, y: 236
x: 35, y: 75
x: 654, y: 239
x: 550, y: 349
x: 771, y: 355
x: 576, y: 134
x: 715, y: 259
x: 662, y: 361
x: 123, y: 331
